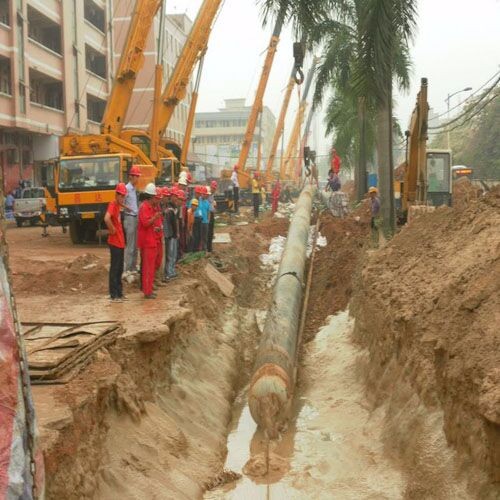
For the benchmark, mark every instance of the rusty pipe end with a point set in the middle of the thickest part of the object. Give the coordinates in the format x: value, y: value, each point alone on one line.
x: 268, y: 397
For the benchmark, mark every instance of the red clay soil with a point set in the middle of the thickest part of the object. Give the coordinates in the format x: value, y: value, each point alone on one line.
x: 428, y: 309
x: 335, y: 265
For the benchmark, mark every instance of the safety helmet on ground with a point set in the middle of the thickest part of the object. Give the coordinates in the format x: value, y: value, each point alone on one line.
x: 150, y: 189
x: 135, y: 171
x: 121, y: 189
x: 195, y: 202
x: 373, y: 189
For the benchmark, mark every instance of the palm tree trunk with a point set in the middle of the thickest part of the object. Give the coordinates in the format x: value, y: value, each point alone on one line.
x: 385, y: 165
x: 360, y: 173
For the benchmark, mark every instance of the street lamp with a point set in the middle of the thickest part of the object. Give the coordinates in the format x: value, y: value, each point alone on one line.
x: 447, y: 100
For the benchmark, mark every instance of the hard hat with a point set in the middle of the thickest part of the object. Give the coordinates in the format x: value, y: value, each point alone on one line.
x: 373, y: 189
x: 135, y: 170
x: 235, y: 167
x: 198, y: 189
x: 213, y: 185
x: 183, y: 178
x: 195, y: 202
x: 189, y: 178
x: 204, y: 190
x: 159, y: 193
x: 165, y: 191
x: 150, y: 189
x: 256, y: 175
x: 174, y: 191
x: 181, y: 195
x: 121, y: 189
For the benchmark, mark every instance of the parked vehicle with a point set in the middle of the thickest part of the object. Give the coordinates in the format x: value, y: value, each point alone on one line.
x: 30, y: 207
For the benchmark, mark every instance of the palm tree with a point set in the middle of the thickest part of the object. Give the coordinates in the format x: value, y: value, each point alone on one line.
x: 387, y: 29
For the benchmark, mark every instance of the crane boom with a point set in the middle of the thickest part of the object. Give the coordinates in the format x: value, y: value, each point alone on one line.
x: 195, y: 46
x: 281, y: 124
x: 259, y: 95
x: 131, y: 62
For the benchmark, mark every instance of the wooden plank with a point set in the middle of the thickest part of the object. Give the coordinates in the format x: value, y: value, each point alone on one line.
x: 225, y: 285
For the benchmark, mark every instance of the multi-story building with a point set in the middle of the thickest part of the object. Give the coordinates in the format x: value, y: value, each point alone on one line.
x: 57, y: 61
x: 218, y: 136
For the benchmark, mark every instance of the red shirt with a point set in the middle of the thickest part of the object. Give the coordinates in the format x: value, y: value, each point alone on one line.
x: 336, y: 163
x: 117, y: 239
x: 146, y: 236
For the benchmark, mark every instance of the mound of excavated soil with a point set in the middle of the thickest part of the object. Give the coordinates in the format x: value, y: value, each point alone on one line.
x: 86, y: 273
x: 334, y: 266
x: 428, y: 309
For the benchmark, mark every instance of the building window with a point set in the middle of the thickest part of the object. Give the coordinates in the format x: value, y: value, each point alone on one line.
x: 43, y: 30
x: 95, y: 62
x: 45, y: 90
x: 95, y: 108
x: 4, y: 12
x: 5, y: 80
x: 95, y: 15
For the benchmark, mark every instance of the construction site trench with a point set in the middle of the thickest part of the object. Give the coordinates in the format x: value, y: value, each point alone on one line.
x: 397, y: 380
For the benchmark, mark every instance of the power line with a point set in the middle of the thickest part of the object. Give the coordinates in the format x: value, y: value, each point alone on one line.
x: 468, y: 111
x: 461, y: 103
x: 473, y: 115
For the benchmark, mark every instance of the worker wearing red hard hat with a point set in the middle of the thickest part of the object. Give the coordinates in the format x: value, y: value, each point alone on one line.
x: 130, y: 213
x: 116, y: 242
x: 147, y: 238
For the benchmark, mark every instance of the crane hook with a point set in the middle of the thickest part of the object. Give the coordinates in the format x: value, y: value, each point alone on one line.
x: 298, y: 55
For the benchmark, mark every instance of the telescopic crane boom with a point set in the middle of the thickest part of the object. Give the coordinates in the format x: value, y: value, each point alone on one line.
x: 280, y: 125
x: 131, y: 62
x: 258, y: 101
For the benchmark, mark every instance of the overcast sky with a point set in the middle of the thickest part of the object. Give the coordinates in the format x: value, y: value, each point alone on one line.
x: 457, y: 46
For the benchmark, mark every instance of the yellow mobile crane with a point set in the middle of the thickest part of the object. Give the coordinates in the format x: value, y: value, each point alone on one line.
x: 176, y: 89
x: 90, y: 166
x: 243, y: 176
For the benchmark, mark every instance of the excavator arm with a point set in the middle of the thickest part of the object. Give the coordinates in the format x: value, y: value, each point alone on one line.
x: 131, y: 62
x: 195, y: 46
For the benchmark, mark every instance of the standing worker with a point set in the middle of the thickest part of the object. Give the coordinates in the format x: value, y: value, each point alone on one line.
x: 171, y: 230
x: 116, y: 243
x: 204, y: 208
x: 375, y: 212
x: 197, y: 219
x: 256, y: 195
x: 130, y: 220
x: 146, y: 239
x: 236, y: 189
x: 211, y: 222
x: 336, y: 162
x: 275, y: 196
x: 190, y: 224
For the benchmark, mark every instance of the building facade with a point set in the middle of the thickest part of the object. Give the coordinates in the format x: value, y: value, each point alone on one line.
x: 218, y: 136
x: 57, y: 61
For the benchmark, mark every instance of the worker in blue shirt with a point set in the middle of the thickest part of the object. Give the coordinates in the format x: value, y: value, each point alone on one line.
x: 204, y: 208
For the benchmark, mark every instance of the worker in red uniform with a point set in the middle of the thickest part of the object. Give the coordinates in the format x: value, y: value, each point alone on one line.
x: 158, y: 230
x: 275, y: 196
x: 336, y: 162
x: 147, y: 239
x: 116, y: 243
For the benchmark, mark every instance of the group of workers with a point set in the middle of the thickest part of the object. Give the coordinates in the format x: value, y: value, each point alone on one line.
x: 164, y: 223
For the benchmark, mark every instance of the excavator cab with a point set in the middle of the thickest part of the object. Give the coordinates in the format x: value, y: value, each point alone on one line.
x: 439, y: 182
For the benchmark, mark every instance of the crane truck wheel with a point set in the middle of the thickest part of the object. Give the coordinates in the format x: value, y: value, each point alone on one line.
x: 76, y: 232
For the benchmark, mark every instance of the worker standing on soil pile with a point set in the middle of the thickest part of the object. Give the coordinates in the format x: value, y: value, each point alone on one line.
x: 375, y: 213
x: 147, y: 240
x: 130, y: 220
x: 236, y: 189
x: 211, y: 222
x: 256, y: 195
x: 116, y: 243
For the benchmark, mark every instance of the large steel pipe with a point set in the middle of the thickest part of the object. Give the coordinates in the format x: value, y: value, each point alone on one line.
x: 273, y: 380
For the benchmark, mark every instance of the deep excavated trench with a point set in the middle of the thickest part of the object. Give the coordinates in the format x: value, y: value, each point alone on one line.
x: 176, y: 415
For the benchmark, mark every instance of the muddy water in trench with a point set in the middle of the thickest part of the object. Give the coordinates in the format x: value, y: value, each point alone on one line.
x: 332, y: 450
